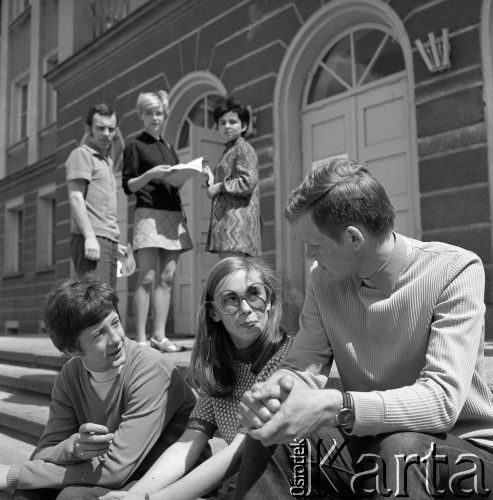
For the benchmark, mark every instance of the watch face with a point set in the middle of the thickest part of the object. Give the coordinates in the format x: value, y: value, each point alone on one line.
x: 345, y: 417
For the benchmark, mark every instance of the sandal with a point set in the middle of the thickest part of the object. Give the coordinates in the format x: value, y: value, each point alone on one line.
x: 166, y: 345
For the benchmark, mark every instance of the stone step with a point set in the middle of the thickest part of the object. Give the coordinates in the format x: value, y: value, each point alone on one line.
x: 31, y: 351
x: 32, y: 379
x: 24, y: 412
x: 15, y: 448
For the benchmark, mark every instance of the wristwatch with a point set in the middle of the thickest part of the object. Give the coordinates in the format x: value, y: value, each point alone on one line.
x: 345, y: 417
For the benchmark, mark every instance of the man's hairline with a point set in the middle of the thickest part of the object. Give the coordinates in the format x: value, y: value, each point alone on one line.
x: 104, y: 115
x: 295, y: 218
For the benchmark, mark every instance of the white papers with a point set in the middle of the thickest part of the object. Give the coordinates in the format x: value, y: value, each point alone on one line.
x: 126, y: 263
x: 182, y: 172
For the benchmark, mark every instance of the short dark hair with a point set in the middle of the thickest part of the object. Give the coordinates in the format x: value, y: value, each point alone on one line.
x: 211, y: 369
x: 231, y: 103
x: 341, y: 193
x: 76, y: 304
x: 99, y: 109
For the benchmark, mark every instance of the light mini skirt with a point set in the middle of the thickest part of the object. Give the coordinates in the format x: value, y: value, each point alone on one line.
x: 161, y: 229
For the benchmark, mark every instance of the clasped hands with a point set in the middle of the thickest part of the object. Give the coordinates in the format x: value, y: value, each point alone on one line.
x: 282, y: 410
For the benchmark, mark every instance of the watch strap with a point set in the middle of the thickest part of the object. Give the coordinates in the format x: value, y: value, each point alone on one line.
x: 347, y: 400
x: 347, y: 407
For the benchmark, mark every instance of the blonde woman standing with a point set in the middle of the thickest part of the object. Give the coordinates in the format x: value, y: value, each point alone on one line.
x: 160, y: 230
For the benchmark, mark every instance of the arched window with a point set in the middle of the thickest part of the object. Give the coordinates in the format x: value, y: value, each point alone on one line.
x: 356, y: 59
x: 200, y: 115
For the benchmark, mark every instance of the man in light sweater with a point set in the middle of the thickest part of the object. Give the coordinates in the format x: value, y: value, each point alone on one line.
x: 404, y: 321
x: 116, y: 405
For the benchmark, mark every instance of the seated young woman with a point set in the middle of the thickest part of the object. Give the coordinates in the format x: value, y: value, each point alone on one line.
x: 239, y: 342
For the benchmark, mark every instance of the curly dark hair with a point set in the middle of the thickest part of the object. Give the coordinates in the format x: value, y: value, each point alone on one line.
x: 231, y: 103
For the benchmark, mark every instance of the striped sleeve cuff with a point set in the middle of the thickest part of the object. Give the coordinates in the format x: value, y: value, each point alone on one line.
x: 369, y: 412
x: 13, y: 476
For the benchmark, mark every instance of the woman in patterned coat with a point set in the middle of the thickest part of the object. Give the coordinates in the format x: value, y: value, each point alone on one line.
x: 233, y: 188
x: 239, y: 342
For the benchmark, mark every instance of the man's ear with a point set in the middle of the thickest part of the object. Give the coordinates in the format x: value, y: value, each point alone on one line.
x: 354, y: 237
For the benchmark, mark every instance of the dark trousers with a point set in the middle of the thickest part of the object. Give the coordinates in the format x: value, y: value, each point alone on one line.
x: 104, y: 268
x: 331, y: 465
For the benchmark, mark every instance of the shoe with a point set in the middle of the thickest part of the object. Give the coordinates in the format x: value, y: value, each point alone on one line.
x: 166, y: 345
x: 141, y: 343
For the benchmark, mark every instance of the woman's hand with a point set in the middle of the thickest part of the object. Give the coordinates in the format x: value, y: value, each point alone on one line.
x: 159, y: 172
x: 116, y: 495
x: 206, y: 170
x: 214, y: 189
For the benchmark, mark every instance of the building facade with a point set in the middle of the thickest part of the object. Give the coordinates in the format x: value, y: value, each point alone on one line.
x: 403, y: 85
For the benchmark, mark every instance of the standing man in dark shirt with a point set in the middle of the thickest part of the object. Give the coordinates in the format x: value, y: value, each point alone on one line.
x: 160, y: 230
x: 92, y: 194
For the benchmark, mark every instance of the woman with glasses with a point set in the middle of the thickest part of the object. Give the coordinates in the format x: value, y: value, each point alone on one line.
x: 160, y: 230
x: 239, y: 342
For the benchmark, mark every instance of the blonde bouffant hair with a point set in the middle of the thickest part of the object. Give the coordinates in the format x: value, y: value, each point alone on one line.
x: 149, y: 99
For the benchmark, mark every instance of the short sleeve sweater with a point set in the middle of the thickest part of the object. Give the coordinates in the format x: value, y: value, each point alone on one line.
x: 85, y: 163
x: 139, y: 156
x: 216, y: 413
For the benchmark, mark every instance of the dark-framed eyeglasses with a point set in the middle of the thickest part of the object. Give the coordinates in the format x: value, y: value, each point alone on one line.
x: 229, y: 302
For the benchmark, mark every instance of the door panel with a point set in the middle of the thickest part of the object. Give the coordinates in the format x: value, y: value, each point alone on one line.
x: 383, y: 145
x: 182, y: 286
x: 210, y: 145
x: 122, y: 220
x: 327, y: 133
x: 370, y: 128
x: 194, y: 266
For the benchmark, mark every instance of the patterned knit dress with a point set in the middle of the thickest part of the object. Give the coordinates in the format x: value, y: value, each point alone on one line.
x: 216, y: 413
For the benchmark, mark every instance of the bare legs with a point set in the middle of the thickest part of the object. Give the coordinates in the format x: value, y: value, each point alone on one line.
x: 162, y: 292
x: 156, y: 273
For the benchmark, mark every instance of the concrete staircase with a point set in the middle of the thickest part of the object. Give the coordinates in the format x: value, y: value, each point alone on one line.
x: 28, y: 368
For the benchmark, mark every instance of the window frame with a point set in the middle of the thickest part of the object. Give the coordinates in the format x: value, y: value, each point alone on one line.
x: 49, y: 95
x: 19, y: 7
x: 46, y: 227
x: 20, y: 109
x: 16, y: 234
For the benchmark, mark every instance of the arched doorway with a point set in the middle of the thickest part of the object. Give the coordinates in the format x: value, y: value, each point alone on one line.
x: 355, y: 106
x: 194, y: 135
x: 303, y: 112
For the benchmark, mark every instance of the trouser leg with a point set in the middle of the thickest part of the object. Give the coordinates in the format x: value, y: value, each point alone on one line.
x: 422, y: 466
